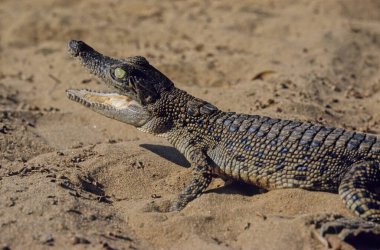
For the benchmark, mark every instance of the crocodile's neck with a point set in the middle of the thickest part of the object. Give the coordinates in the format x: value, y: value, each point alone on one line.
x: 182, y: 119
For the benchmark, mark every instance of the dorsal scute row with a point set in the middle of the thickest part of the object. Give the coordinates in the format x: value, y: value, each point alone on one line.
x: 303, y: 133
x: 198, y: 107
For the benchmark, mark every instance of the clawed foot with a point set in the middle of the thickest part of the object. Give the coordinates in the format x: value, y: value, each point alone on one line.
x: 356, y: 232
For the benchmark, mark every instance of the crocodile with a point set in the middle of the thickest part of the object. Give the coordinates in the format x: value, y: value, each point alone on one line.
x: 267, y: 152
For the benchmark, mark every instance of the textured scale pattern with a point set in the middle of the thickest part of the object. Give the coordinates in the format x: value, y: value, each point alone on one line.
x: 274, y: 153
x: 270, y: 153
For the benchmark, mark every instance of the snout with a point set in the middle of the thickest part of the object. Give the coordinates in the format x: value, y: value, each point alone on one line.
x: 94, y: 61
x: 76, y: 47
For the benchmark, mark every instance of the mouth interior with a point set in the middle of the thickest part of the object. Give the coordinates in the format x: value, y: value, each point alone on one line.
x: 111, y: 99
x: 107, y: 100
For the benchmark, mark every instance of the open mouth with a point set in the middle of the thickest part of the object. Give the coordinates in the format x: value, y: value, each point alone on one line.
x: 91, y: 98
x: 112, y: 105
x: 97, y: 64
x: 115, y: 105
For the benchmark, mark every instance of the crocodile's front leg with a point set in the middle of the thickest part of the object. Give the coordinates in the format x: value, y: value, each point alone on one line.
x: 202, y: 176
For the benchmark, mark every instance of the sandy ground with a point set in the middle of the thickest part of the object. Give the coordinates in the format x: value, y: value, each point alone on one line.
x: 70, y: 178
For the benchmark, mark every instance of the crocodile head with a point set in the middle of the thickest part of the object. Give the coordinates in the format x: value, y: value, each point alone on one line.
x: 136, y: 85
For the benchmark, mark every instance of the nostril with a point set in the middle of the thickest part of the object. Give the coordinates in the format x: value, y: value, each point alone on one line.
x: 73, y: 47
x: 76, y: 47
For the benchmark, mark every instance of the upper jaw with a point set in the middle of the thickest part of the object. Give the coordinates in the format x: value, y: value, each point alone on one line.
x: 97, y: 63
x: 88, y: 55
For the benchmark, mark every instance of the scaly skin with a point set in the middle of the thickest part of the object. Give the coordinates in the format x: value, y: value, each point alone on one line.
x: 270, y: 153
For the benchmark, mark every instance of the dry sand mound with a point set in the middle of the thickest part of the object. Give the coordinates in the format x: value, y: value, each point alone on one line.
x: 70, y: 178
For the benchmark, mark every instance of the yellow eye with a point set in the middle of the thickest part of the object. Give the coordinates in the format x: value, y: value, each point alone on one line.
x: 119, y: 73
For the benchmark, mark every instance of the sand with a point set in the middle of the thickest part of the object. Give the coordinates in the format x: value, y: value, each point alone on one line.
x: 70, y: 178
